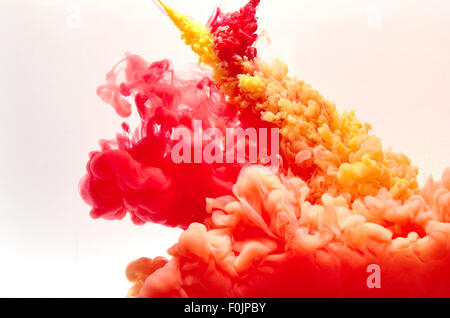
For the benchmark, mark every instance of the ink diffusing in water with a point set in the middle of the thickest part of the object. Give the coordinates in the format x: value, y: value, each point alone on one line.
x: 338, y: 202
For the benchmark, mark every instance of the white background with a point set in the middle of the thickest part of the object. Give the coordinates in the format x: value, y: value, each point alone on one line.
x: 388, y: 60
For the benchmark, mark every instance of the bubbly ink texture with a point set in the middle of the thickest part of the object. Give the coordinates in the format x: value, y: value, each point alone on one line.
x: 338, y: 203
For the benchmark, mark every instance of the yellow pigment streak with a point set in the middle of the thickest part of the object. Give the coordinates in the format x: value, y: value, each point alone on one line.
x: 195, y: 35
x: 347, y: 158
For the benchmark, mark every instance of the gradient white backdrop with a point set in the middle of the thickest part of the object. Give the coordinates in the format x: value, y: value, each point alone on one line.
x: 388, y: 60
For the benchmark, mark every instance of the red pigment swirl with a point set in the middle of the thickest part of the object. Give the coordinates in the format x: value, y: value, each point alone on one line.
x: 134, y: 172
x: 255, y: 243
x: 259, y: 234
x: 234, y: 33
